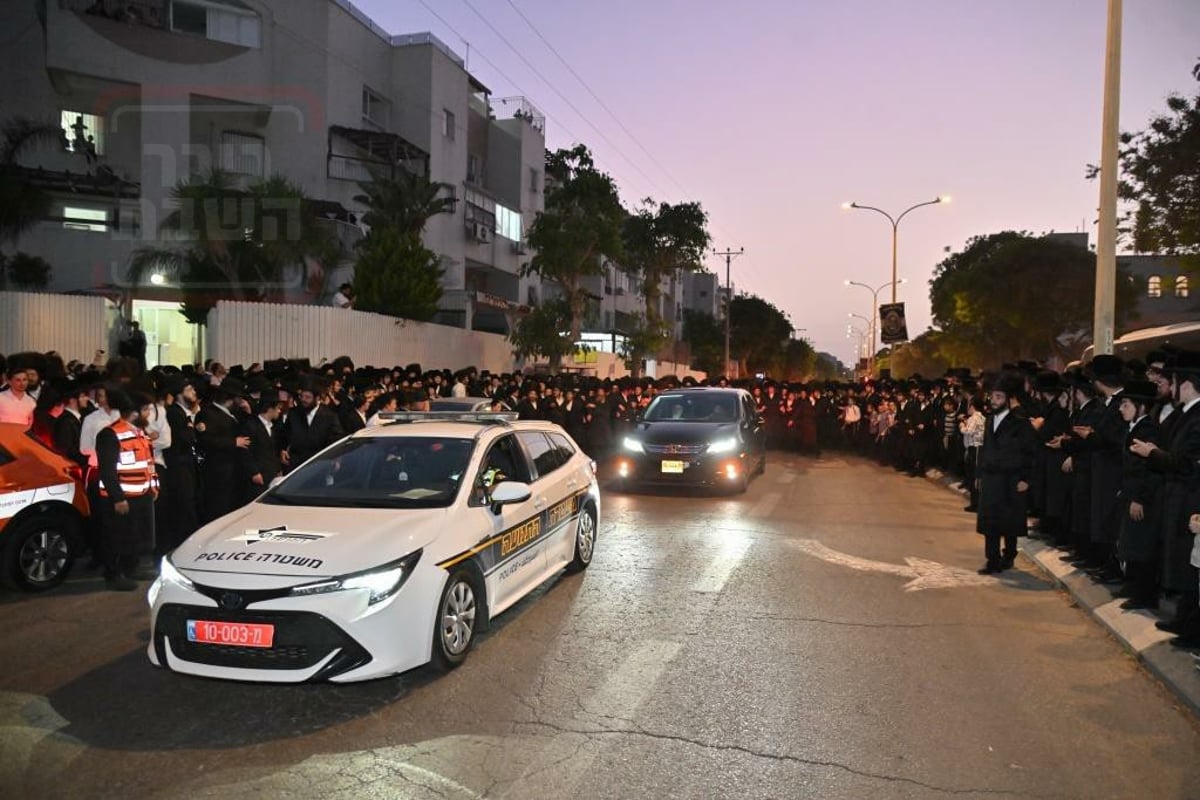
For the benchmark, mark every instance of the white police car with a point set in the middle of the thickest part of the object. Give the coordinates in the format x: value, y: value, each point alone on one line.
x: 391, y: 548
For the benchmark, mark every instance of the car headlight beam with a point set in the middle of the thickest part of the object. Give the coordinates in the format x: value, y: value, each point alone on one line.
x: 167, y: 573
x: 726, y: 445
x: 633, y: 445
x: 382, y: 582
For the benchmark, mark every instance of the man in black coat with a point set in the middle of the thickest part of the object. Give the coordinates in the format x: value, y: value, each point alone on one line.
x: 182, y: 477
x: 1109, y: 436
x: 259, y: 462
x: 1138, y: 543
x: 68, y: 426
x: 310, y: 428
x: 1078, y: 464
x: 217, y: 436
x: 1179, y: 464
x: 1005, y: 463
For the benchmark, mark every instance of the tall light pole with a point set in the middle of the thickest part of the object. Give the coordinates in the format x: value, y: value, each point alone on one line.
x: 1106, y: 245
x: 729, y: 256
x: 875, y: 316
x: 896, y: 227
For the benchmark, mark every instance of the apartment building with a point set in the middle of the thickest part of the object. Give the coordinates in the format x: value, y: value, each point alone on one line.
x: 150, y: 92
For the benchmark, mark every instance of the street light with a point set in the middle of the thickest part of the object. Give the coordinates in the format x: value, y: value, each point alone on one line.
x: 940, y: 199
x: 874, y: 315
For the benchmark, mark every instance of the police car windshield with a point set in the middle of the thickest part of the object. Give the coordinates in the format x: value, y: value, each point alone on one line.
x: 380, y: 472
x: 692, y: 408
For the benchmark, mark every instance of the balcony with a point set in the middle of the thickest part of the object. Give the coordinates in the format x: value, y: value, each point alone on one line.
x: 521, y: 108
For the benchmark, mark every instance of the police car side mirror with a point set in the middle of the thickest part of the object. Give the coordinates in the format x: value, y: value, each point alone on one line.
x: 509, y: 493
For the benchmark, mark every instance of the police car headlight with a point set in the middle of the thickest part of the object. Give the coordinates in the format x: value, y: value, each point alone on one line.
x: 726, y: 445
x: 382, y: 582
x: 167, y: 573
x: 633, y: 445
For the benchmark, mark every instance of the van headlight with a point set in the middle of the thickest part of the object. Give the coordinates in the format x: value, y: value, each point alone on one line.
x: 167, y: 573
x: 633, y: 445
x: 382, y: 582
x: 726, y: 445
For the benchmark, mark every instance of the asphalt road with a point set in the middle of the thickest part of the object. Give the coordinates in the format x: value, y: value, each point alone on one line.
x: 744, y: 647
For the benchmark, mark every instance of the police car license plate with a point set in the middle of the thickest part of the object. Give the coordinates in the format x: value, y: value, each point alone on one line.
x: 234, y: 634
x: 672, y: 467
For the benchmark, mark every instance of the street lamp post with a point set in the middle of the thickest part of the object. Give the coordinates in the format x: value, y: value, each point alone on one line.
x: 874, y: 316
x: 896, y: 227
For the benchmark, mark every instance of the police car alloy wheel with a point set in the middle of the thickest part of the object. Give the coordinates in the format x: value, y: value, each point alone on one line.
x: 458, y: 614
x: 585, y: 541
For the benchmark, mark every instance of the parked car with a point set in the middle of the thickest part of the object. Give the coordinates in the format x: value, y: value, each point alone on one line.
x: 43, y: 504
x: 391, y: 548
x: 701, y: 437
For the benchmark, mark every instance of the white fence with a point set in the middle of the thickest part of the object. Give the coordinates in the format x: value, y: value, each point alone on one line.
x: 242, y: 333
x: 72, y: 325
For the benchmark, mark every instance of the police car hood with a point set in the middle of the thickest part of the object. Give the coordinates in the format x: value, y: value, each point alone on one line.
x: 263, y: 539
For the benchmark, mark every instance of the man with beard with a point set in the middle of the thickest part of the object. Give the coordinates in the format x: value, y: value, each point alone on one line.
x: 1005, y: 461
x: 1078, y: 463
x: 181, y: 479
x: 128, y: 488
x: 217, y: 436
x: 310, y: 428
x: 1138, y: 541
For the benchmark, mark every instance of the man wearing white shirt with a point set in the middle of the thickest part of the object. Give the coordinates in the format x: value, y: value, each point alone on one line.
x: 460, y: 386
x: 16, y: 405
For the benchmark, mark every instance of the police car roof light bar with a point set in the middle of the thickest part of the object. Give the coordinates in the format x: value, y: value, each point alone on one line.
x: 482, y: 417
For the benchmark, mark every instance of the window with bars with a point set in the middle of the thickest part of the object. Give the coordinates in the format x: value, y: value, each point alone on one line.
x: 448, y: 124
x: 1154, y: 286
x: 1181, y: 286
x: 82, y: 130
x: 243, y: 154
x: 374, y: 107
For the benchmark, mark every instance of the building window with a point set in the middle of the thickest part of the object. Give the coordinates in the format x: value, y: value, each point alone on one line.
x: 475, y: 169
x: 448, y: 124
x: 374, y: 108
x: 1181, y: 286
x: 85, y: 219
x: 535, y: 180
x: 1154, y: 286
x: 81, y: 131
x: 243, y: 154
x: 508, y: 223
x: 219, y: 23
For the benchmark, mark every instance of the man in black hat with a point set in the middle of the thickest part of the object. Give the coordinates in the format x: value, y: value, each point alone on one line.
x: 1138, y: 542
x: 128, y: 487
x: 1179, y: 464
x: 181, y: 479
x: 1078, y: 463
x: 1005, y: 463
x: 76, y: 398
x: 217, y: 427
x: 310, y: 427
x: 1052, y: 423
x: 1107, y: 442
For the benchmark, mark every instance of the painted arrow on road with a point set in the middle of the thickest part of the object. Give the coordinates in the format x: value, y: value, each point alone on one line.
x: 922, y: 574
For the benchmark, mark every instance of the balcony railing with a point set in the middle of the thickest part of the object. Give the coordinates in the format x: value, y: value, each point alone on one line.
x: 348, y: 168
x: 521, y: 108
x: 152, y: 13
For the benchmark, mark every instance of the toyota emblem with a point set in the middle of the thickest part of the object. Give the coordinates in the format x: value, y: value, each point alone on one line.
x: 231, y: 600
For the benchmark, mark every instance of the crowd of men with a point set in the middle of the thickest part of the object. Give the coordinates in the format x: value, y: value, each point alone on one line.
x: 1105, y: 459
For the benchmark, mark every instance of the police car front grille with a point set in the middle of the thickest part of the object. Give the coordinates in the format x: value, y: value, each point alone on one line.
x: 292, y: 657
x: 675, y: 449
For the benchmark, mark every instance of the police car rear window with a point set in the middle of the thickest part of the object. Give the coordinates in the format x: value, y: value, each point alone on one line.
x: 5, y: 457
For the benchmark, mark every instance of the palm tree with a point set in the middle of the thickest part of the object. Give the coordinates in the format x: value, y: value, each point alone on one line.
x: 403, y: 200
x: 21, y: 203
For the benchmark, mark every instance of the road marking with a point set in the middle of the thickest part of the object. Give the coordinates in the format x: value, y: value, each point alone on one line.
x: 625, y: 690
x: 923, y: 574
x: 766, y: 506
x: 727, y: 559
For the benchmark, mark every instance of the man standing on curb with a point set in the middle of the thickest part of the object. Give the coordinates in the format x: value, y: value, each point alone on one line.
x: 128, y: 488
x: 1005, y: 462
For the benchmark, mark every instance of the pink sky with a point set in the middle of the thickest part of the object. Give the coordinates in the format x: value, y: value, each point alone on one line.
x: 772, y: 113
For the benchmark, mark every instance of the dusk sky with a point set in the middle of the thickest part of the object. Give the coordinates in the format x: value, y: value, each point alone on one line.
x: 772, y: 113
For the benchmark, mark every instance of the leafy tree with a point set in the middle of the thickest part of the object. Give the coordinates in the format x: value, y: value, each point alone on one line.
x: 923, y: 355
x: 705, y: 336
x: 541, y: 333
x: 22, y: 204
x: 404, y: 200
x: 1160, y: 177
x: 799, y: 360
x: 580, y: 226
x: 397, y: 275
x: 661, y: 239
x: 238, y: 242
x: 25, y: 271
x: 759, y: 334
x: 1010, y: 295
x: 643, y: 339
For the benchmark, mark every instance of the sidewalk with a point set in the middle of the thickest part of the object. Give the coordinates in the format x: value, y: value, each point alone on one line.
x: 1175, y: 668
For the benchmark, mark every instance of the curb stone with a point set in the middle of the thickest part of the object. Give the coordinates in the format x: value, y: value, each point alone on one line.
x: 1175, y: 669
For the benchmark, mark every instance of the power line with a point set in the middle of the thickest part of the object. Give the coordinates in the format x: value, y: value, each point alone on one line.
x: 560, y: 95
x: 595, y: 97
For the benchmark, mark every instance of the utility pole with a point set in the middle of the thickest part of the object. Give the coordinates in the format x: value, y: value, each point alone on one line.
x: 729, y: 256
x: 1106, y: 246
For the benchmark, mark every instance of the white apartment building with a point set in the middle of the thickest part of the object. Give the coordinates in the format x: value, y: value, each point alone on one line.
x: 310, y: 89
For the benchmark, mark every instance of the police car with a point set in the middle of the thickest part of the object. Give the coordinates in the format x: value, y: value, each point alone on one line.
x: 392, y: 548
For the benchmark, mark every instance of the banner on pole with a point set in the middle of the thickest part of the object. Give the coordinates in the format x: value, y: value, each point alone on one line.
x: 892, y: 326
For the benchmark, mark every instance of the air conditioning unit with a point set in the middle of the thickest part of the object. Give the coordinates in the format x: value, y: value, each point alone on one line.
x: 483, y: 233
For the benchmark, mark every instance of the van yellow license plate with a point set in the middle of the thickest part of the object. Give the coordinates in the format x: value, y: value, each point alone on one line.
x: 672, y: 467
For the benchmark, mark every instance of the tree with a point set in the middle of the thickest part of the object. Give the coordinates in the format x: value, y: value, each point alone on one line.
x: 1011, y: 296
x: 404, y: 200
x: 580, y: 226
x: 923, y: 355
x: 397, y: 275
x: 22, y: 204
x: 25, y: 271
x: 541, y: 332
x: 240, y: 242
x: 642, y: 339
x: 760, y: 333
x: 705, y: 336
x: 799, y: 361
x: 1160, y: 177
